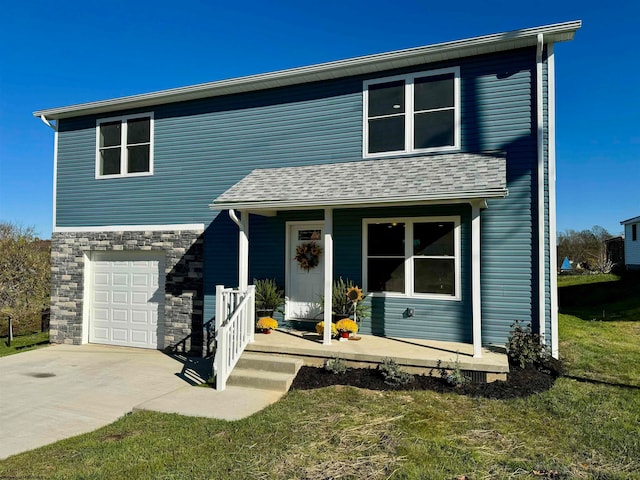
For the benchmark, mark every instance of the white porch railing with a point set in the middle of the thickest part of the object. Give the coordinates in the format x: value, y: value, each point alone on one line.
x: 235, y: 327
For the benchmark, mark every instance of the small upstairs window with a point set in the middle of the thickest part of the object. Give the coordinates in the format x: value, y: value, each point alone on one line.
x: 419, y: 112
x: 124, y: 146
x: 634, y: 232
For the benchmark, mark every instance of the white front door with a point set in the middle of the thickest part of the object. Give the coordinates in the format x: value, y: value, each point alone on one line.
x: 126, y: 299
x: 305, y: 287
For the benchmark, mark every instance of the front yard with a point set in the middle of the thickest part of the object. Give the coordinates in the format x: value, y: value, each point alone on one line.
x: 585, y: 426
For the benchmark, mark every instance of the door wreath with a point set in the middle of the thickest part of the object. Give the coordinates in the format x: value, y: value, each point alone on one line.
x: 308, y: 255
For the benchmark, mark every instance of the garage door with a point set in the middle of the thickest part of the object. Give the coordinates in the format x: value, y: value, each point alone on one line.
x: 126, y: 301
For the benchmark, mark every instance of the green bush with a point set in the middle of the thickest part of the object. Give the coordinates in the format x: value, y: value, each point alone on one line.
x: 336, y: 366
x: 393, y: 374
x: 525, y: 347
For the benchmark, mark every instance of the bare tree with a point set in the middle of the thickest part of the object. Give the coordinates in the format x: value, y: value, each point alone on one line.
x: 24, y: 275
x: 585, y: 248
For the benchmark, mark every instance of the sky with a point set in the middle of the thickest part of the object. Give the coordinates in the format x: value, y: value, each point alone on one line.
x: 62, y: 53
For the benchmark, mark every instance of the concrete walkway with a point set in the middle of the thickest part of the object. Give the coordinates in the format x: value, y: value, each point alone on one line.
x: 61, y: 391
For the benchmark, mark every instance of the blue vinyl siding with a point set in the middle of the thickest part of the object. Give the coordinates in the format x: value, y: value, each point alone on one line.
x: 202, y: 147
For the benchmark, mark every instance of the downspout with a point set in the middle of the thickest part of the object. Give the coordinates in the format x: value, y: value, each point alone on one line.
x: 553, y: 252
x: 48, y: 123
x: 541, y: 213
x: 234, y: 217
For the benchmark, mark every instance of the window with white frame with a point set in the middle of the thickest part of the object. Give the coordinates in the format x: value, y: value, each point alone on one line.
x: 419, y: 112
x: 124, y: 146
x: 412, y: 256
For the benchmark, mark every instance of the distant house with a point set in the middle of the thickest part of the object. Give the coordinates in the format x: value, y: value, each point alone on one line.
x: 631, y: 243
x: 614, y: 248
x: 425, y: 175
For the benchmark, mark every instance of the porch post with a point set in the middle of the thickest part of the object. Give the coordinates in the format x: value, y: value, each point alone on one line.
x: 243, y: 259
x: 328, y: 274
x: 476, y: 295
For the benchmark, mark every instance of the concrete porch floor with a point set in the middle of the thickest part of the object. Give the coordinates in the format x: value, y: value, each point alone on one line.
x: 414, y: 355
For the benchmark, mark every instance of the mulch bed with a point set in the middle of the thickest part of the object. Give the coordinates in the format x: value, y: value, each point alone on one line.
x: 520, y: 382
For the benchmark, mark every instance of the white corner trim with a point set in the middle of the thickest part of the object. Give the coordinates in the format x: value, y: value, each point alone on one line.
x: 55, y: 177
x: 86, y: 295
x: 132, y: 228
x: 553, y: 254
x: 541, y: 214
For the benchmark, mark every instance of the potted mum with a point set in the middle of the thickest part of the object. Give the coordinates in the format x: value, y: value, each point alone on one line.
x: 320, y: 329
x: 346, y: 327
x: 266, y: 324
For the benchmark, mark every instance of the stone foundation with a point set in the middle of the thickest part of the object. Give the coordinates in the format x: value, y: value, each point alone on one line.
x: 183, y: 309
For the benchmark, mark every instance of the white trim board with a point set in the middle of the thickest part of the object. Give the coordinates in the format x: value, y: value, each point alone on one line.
x: 132, y: 228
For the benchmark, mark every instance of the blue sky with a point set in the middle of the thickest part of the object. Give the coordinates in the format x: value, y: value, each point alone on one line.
x: 62, y: 53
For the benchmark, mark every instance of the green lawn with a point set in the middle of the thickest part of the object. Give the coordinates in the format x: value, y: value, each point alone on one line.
x: 578, y: 429
x: 23, y: 343
x: 568, y: 280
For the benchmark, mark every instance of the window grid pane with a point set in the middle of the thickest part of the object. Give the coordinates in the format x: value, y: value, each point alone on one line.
x: 385, y: 275
x: 433, y: 239
x: 138, y: 130
x: 434, y: 275
x: 138, y: 159
x: 110, y: 161
x: 432, y: 93
x: 110, y: 133
x: 386, y: 239
x: 434, y: 129
x: 386, y: 99
x: 386, y: 134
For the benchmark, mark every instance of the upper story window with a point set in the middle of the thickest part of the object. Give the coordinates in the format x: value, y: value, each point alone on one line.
x: 634, y: 232
x: 416, y: 257
x: 419, y: 112
x: 124, y: 146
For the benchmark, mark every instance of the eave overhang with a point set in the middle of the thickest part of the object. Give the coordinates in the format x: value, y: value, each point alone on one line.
x: 497, y: 42
x: 630, y: 220
x: 448, y: 178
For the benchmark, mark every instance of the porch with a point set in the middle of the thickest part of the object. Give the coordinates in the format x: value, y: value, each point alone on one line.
x: 413, y: 355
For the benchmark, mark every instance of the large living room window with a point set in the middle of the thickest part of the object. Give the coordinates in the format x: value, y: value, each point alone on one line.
x: 412, y: 256
x: 124, y: 146
x: 419, y: 112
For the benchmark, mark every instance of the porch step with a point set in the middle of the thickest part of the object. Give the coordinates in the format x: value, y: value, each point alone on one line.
x: 268, y: 372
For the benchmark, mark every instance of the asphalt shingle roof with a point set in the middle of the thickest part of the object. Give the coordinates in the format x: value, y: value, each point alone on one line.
x: 412, y: 179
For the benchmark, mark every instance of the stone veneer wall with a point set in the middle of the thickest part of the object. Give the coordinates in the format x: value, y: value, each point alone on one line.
x: 183, y: 289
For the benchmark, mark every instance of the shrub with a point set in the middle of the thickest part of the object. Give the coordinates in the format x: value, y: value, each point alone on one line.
x: 455, y: 377
x: 525, y: 347
x: 393, y: 374
x: 342, y: 304
x: 336, y: 366
x: 268, y: 296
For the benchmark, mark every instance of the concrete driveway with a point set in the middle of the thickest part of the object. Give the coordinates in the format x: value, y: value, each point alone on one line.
x: 63, y: 390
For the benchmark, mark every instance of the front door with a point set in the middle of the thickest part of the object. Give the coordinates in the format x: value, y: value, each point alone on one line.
x: 305, y: 286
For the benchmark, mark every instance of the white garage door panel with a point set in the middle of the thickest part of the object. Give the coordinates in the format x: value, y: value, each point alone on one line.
x: 126, y: 300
